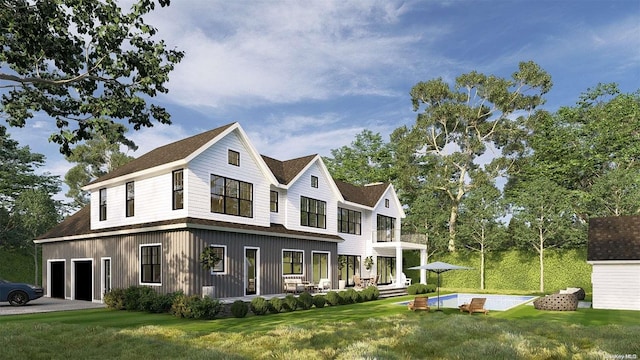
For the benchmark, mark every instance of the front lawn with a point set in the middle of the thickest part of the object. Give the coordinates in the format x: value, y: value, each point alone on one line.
x: 378, y: 329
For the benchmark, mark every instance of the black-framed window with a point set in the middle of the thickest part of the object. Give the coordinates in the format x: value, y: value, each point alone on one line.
x: 292, y: 262
x: 150, y: 256
x: 350, y: 268
x: 178, y: 189
x: 314, y: 181
x: 130, y: 208
x: 231, y: 197
x: 386, y: 228
x: 385, y: 269
x: 274, y: 201
x: 349, y: 221
x: 103, y: 204
x: 221, y: 251
x: 386, y: 203
x: 234, y: 157
x: 313, y: 213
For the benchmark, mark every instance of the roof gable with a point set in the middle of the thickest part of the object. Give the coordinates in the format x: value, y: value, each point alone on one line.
x: 364, y: 195
x: 166, y: 154
x: 286, y: 171
x: 614, y: 238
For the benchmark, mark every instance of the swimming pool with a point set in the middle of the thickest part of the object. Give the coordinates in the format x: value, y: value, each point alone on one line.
x: 494, y: 302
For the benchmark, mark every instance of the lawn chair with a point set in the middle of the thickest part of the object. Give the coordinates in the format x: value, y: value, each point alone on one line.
x: 357, y: 281
x: 324, y: 284
x: 374, y: 281
x: 476, y: 305
x: 419, y: 303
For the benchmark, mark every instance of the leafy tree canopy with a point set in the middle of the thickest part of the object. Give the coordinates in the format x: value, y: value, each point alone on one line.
x: 82, y: 63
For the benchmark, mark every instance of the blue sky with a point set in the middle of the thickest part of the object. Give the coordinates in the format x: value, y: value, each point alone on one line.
x: 305, y: 77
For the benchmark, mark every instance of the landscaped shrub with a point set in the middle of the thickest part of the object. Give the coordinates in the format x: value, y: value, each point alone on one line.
x: 333, y: 298
x: 239, y: 308
x: 278, y: 305
x: 414, y: 289
x: 319, y: 301
x: 137, y: 297
x: 348, y: 296
x: 195, y: 307
x: 114, y: 299
x: 305, y: 301
x: 259, y: 306
x: 292, y: 301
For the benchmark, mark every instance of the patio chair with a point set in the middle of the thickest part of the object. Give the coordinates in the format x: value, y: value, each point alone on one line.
x: 476, y: 305
x: 405, y: 279
x: 374, y: 281
x: 357, y: 281
x: 324, y: 284
x: 419, y: 303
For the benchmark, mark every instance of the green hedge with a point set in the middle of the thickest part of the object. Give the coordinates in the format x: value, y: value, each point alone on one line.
x: 510, y: 270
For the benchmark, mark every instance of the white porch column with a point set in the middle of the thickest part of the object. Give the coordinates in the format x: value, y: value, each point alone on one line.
x: 399, y: 281
x: 423, y: 261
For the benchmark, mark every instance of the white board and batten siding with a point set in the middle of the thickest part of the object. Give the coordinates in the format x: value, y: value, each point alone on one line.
x: 215, y: 161
x: 616, y: 284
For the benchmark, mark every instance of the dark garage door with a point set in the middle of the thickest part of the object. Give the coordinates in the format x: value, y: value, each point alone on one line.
x: 57, y: 279
x: 82, y: 281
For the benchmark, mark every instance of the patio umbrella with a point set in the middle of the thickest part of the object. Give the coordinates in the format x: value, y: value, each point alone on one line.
x: 439, y: 267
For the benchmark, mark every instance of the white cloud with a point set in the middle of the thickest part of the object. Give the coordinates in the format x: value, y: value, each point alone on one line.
x: 283, y: 52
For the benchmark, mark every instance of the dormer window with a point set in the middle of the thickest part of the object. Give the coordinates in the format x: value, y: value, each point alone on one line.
x: 234, y: 158
x: 103, y: 204
x: 314, y: 181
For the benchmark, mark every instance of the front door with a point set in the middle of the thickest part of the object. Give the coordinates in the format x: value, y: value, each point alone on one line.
x: 251, y: 271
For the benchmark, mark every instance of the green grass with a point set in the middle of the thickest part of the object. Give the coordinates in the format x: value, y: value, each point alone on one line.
x: 379, y: 329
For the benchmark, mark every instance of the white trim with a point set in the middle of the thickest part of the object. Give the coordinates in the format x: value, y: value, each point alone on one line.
x: 140, y: 264
x: 102, y: 282
x: 282, y: 257
x: 73, y: 277
x: 225, y: 263
x: 245, y: 270
x: 160, y: 169
x: 613, y: 262
x: 49, y: 261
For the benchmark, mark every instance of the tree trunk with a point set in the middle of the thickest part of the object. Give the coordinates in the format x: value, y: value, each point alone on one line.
x: 541, y: 253
x: 482, y: 266
x: 453, y: 217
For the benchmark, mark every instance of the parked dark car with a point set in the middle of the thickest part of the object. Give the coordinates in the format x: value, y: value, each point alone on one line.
x: 18, y: 293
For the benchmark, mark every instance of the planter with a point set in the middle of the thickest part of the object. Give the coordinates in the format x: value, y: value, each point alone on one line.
x: 342, y: 284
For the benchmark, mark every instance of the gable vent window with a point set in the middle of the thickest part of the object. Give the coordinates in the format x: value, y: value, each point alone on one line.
x: 386, y: 203
x: 103, y: 204
x: 234, y: 158
x: 314, y: 181
x: 178, y: 190
x: 130, y: 199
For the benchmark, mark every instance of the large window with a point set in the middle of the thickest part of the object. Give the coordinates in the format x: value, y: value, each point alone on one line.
x: 292, y: 262
x: 103, y: 204
x: 320, y: 266
x: 349, y: 221
x: 273, y: 203
x: 231, y: 197
x: 386, y: 267
x: 313, y: 213
x: 386, y: 228
x: 150, y: 264
x: 349, y: 265
x: 130, y: 199
x: 178, y: 190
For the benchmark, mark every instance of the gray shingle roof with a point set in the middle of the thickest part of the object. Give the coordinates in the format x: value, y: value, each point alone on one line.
x: 614, y: 238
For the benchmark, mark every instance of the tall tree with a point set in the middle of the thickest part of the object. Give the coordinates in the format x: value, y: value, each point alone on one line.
x: 93, y: 159
x: 82, y: 63
x: 18, y: 173
x: 481, y: 228
x: 367, y: 160
x: 35, y: 212
x: 543, y: 217
x: 460, y: 124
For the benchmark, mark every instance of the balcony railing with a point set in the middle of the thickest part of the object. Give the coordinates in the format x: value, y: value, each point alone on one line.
x: 378, y: 236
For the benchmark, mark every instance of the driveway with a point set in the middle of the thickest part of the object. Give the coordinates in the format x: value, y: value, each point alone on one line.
x: 46, y: 304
